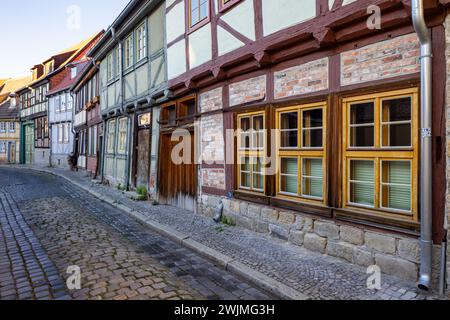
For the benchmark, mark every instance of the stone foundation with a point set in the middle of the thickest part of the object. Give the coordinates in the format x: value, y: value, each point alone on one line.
x: 396, y: 255
x: 59, y: 161
x: 41, y: 157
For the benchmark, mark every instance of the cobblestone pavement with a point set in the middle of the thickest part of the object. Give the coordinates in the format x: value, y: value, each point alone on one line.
x: 316, y: 276
x: 48, y: 224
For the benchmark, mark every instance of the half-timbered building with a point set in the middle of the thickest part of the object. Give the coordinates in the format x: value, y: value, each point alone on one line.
x: 60, y: 103
x: 35, y: 129
x: 132, y: 79
x: 308, y: 122
x: 88, y: 121
x: 9, y: 120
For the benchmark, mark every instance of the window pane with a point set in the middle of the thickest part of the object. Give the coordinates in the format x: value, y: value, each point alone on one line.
x: 396, y: 128
x: 203, y: 10
x: 245, y: 134
x: 194, y: 4
x: 258, y: 174
x: 245, y: 172
x: 258, y: 123
x: 362, y: 136
x: 258, y: 134
x: 289, y: 175
x: 312, y: 128
x: 362, y: 130
x: 397, y: 110
x: 362, y: 113
x: 312, y: 182
x: 313, y: 118
x: 396, y: 185
x: 289, y: 130
x: 362, y: 187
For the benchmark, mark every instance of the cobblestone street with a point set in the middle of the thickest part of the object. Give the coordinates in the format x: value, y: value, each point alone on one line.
x: 48, y: 225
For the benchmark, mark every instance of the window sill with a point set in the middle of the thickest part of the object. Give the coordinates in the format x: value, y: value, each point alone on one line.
x: 303, y: 207
x: 252, y: 197
x: 225, y: 7
x: 199, y: 25
x: 378, y: 220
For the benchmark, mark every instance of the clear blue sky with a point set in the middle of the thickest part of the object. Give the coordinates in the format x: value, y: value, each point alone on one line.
x: 32, y: 30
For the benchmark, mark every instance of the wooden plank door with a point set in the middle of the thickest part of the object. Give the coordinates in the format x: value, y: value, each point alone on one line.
x: 177, y: 182
x: 143, y: 158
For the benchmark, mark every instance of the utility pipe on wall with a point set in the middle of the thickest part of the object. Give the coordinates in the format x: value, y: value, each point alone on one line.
x: 426, y: 191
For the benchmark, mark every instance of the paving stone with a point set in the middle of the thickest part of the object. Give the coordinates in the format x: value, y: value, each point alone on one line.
x: 66, y: 226
x: 316, y: 275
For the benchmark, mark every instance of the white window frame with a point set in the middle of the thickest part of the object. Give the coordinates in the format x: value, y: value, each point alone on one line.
x: 141, y: 42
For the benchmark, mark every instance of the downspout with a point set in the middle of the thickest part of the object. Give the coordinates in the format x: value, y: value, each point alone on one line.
x: 426, y: 186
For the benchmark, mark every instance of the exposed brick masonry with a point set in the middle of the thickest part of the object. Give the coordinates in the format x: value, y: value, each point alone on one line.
x: 246, y: 91
x: 302, y: 79
x: 387, y: 59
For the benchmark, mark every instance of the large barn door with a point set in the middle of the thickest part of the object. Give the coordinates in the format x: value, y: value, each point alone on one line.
x: 177, y: 182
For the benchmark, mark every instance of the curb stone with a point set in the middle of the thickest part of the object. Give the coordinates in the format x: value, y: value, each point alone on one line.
x: 233, y: 266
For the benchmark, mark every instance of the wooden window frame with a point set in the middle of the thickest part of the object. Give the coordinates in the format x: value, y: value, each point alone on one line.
x: 181, y: 117
x: 193, y: 27
x: 224, y: 5
x: 111, y: 136
x: 110, y: 67
x: 128, y: 52
x: 251, y: 153
x: 378, y: 153
x: 301, y: 153
x: 142, y: 26
x: 121, y: 151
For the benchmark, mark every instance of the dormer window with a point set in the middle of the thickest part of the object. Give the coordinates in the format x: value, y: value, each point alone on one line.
x: 73, y: 72
x: 49, y: 67
x: 198, y: 13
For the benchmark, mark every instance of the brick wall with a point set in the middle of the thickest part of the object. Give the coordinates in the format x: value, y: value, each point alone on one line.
x: 213, y: 178
x: 387, y: 59
x: 246, y: 91
x: 212, y: 139
x: 211, y: 100
x: 302, y: 79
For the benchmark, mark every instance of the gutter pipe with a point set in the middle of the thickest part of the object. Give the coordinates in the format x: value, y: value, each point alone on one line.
x: 426, y: 183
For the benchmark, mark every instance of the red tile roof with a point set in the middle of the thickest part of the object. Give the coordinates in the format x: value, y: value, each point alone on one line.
x: 64, y: 82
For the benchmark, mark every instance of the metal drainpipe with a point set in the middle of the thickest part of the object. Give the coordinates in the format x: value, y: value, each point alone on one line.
x: 426, y: 186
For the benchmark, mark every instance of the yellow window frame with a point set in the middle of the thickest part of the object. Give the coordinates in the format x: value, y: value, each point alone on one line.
x: 379, y: 153
x: 302, y: 153
x: 251, y: 153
